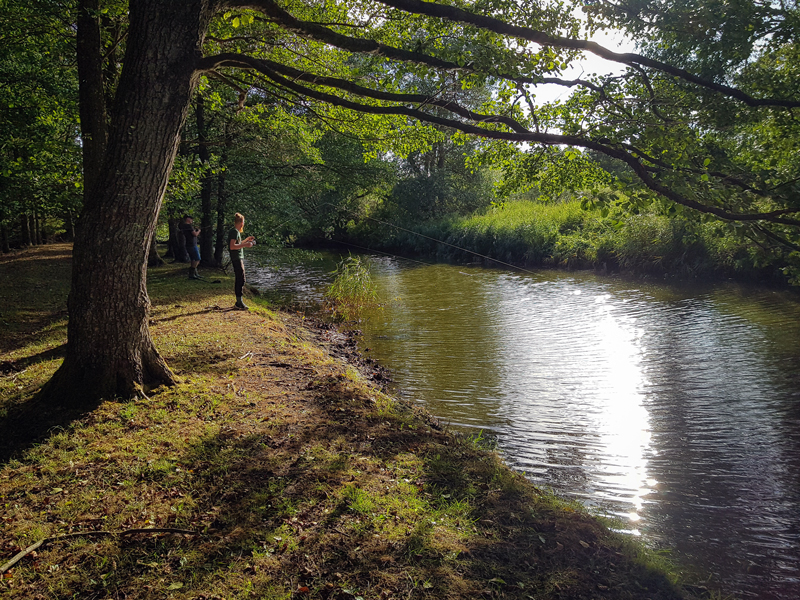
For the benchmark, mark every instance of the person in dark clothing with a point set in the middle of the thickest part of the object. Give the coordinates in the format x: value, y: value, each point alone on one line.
x: 190, y: 233
x: 236, y: 247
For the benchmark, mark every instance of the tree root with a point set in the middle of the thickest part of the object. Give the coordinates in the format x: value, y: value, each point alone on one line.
x: 65, y: 536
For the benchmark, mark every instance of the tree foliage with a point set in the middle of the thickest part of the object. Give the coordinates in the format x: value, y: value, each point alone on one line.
x: 696, y: 122
x: 686, y: 135
x: 39, y: 152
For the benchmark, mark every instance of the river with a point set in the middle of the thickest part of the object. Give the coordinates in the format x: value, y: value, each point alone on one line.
x: 673, y: 407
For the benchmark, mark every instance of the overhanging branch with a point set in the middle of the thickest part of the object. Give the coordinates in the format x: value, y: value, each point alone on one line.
x: 321, y: 33
x: 263, y: 65
x: 274, y: 71
x: 455, y: 14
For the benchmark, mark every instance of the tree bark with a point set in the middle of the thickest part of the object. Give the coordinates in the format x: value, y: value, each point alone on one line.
x: 69, y: 226
x: 37, y: 229
x: 172, y: 223
x: 177, y: 243
x: 181, y: 254
x: 25, y: 230
x: 110, y: 352
x: 153, y: 258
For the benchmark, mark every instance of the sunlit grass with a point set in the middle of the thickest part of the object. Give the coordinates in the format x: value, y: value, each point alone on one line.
x: 562, y: 234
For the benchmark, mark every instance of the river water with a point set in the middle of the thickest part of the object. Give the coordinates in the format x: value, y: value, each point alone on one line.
x: 675, y: 408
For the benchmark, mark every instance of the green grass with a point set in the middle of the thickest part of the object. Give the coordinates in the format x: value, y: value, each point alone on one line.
x: 352, y: 290
x: 562, y: 234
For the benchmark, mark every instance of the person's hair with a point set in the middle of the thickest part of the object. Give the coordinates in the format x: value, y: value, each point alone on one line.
x: 238, y: 218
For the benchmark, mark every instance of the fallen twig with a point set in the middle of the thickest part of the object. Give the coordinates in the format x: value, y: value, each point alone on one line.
x: 64, y: 536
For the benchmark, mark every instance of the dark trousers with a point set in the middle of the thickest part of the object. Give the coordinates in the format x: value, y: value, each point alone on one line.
x: 238, y: 271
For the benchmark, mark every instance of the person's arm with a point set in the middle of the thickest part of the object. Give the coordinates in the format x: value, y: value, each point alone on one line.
x: 248, y: 243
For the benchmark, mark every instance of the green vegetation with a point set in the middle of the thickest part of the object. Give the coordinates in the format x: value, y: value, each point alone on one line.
x: 280, y: 471
x: 352, y: 290
x: 564, y: 234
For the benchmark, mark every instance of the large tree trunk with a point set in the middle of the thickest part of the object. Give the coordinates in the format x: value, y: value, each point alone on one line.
x: 110, y: 351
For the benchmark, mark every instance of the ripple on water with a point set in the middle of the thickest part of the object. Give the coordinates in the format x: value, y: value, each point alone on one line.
x: 673, y: 408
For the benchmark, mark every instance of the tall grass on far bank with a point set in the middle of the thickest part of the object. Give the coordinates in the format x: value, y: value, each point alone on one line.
x: 533, y: 233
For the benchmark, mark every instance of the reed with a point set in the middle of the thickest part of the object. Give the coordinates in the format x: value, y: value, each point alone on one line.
x: 352, y: 290
x: 532, y: 233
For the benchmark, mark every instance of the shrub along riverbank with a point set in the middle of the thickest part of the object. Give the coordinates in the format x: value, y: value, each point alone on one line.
x: 562, y: 234
x: 276, y: 469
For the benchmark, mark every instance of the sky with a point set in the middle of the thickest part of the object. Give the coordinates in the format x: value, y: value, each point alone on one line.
x: 613, y: 40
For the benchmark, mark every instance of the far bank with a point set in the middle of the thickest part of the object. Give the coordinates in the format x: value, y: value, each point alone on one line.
x: 563, y: 234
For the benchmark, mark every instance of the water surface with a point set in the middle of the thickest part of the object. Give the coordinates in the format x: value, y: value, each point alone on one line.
x: 675, y: 408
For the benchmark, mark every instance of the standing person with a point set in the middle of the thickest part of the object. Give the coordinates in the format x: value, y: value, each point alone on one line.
x: 190, y: 233
x: 236, y: 247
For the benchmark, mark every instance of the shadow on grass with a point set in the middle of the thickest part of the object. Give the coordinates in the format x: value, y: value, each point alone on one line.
x: 30, y: 422
x: 189, y: 315
x: 34, y: 300
x: 15, y: 366
x: 348, y: 501
x: 34, y: 293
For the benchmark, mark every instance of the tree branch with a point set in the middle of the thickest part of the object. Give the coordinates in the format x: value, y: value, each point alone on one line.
x: 265, y: 67
x: 366, y: 46
x: 452, y: 13
x: 65, y: 536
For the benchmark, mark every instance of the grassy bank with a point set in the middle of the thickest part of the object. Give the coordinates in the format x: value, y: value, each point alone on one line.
x: 529, y: 233
x: 274, y: 470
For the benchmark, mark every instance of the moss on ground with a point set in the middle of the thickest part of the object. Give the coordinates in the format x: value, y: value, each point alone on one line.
x: 296, y: 477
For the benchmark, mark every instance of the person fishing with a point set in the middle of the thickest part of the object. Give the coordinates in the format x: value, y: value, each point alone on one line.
x: 236, y: 247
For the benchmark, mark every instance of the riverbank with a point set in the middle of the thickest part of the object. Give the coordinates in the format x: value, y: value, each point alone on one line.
x: 563, y: 235
x: 275, y: 469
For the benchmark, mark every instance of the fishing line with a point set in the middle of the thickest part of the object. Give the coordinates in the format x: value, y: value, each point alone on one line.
x: 524, y: 270
x: 353, y: 214
x: 382, y: 252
